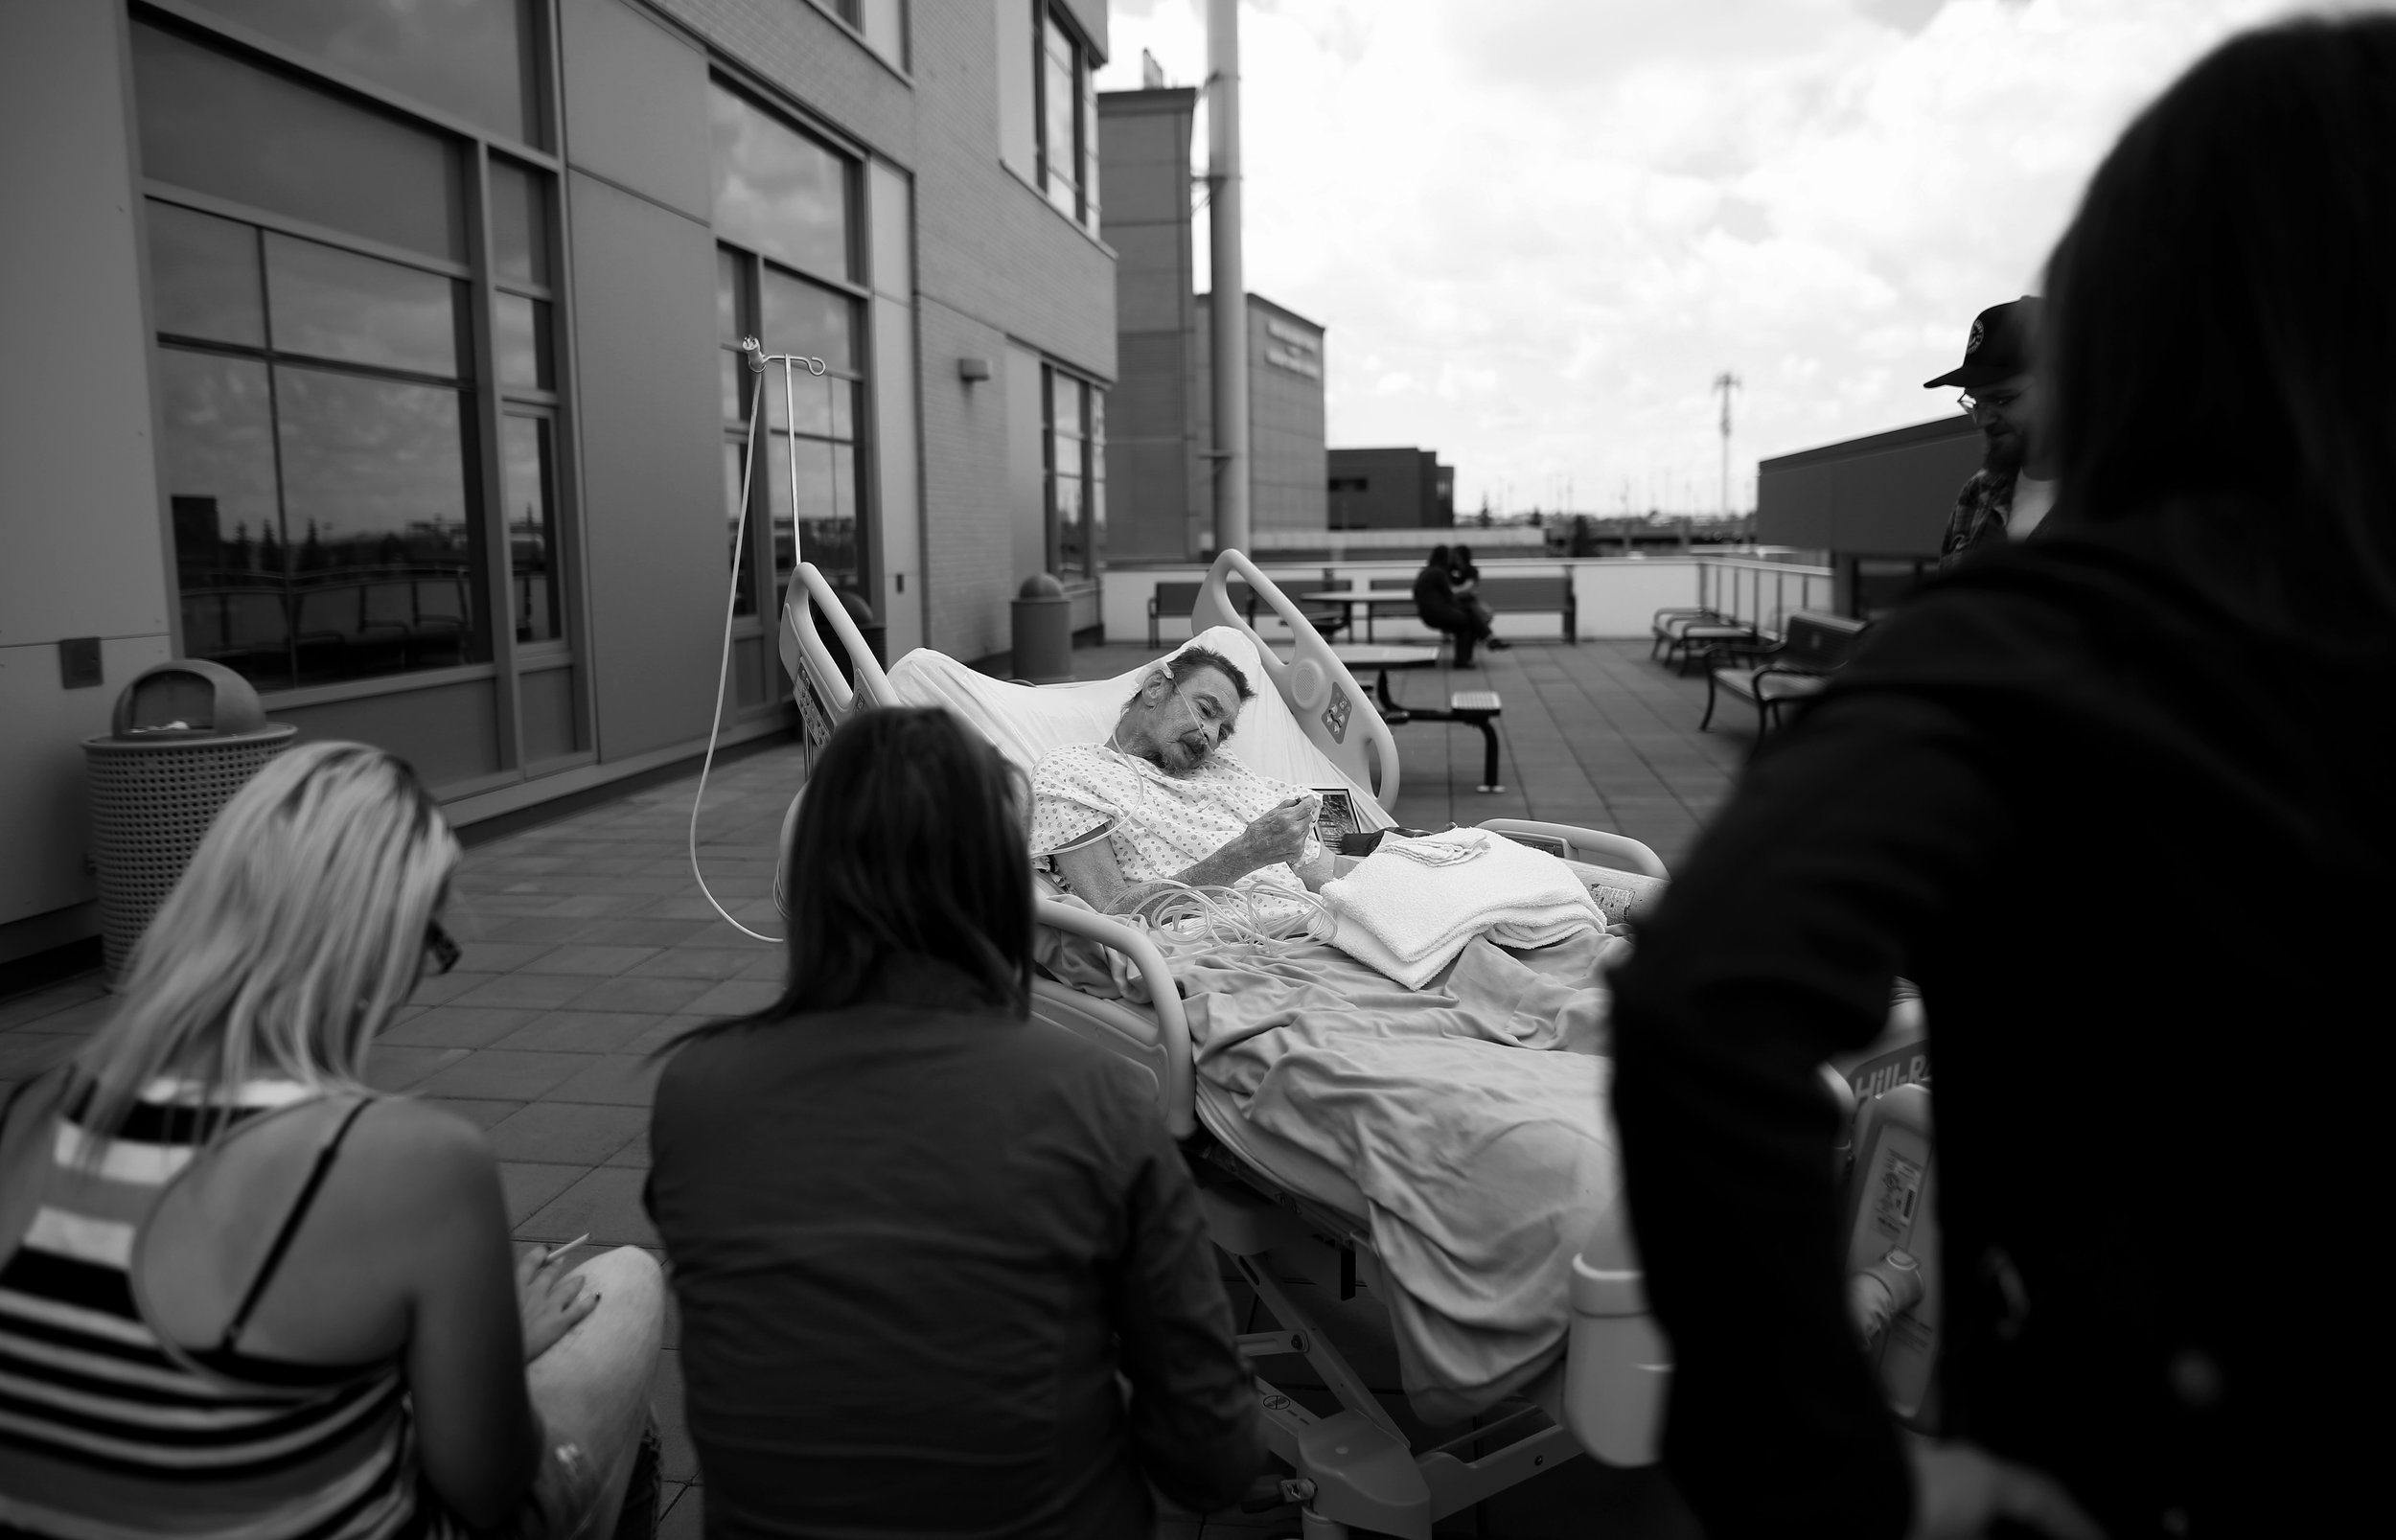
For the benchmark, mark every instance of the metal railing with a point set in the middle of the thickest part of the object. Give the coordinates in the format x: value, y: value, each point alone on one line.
x: 1763, y: 594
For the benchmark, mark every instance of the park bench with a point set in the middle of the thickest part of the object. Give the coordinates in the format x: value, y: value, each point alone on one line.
x: 1542, y: 595
x: 1797, y: 666
x: 1178, y: 599
x: 1681, y: 635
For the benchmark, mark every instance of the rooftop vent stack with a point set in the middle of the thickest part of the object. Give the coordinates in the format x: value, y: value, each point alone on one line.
x: 1227, y: 309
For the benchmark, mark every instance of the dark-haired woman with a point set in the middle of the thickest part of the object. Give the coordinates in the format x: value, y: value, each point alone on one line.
x: 2108, y: 798
x: 916, y: 1237
x: 1463, y: 576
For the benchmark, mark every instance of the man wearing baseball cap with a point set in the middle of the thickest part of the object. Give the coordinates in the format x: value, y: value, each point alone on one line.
x: 2015, y: 486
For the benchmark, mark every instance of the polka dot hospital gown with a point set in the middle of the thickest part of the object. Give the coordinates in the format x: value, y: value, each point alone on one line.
x: 1160, y: 826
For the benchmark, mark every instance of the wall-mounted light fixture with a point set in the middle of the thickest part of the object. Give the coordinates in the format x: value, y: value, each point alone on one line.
x: 970, y: 370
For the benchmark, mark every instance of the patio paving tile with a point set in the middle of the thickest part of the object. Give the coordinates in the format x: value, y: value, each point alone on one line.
x: 617, y: 1079
x: 579, y: 1031
x: 505, y: 1074
x: 458, y: 1027
x: 605, y: 1203
x: 566, y: 1134
x: 529, y: 1187
x: 646, y: 995
x: 605, y: 962
x: 544, y: 991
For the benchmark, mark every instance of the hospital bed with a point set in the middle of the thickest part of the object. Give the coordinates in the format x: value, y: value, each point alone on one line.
x: 1275, y: 1208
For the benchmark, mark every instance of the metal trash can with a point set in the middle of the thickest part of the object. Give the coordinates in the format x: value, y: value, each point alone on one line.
x: 1044, y: 631
x: 186, y: 736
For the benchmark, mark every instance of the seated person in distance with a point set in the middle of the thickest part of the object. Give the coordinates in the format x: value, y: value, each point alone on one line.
x: 1156, y: 802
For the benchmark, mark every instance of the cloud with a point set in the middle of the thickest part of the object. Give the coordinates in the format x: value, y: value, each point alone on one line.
x: 1549, y: 224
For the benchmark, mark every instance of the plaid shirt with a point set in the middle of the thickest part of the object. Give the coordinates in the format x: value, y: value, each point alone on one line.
x: 1981, y: 510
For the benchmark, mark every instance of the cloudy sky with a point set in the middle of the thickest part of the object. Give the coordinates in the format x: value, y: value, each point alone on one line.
x: 1538, y: 229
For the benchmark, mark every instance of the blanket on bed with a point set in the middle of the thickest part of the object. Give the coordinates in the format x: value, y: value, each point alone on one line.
x: 1471, y: 1113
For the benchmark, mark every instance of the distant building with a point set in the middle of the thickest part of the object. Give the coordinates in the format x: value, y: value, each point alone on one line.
x: 1389, y: 489
x: 1877, y: 506
x: 1162, y: 426
x: 1285, y: 453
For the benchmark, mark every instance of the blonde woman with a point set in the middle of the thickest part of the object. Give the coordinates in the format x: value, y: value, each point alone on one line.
x: 242, y: 1294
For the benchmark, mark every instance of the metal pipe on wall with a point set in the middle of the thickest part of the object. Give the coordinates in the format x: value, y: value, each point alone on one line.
x: 1227, y: 309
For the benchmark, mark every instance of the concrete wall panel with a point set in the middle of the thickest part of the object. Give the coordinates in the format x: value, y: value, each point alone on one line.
x: 652, y: 477
x: 635, y: 103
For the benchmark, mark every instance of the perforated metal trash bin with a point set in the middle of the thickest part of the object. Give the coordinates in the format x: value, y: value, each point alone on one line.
x: 187, y: 735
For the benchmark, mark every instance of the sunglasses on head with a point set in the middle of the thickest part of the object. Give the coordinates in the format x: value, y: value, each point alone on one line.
x: 443, y: 947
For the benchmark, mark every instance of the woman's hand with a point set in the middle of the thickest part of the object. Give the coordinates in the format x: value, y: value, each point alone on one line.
x: 552, y: 1300
x: 1960, y: 1490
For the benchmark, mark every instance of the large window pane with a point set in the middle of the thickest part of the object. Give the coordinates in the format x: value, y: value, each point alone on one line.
x: 338, y: 304
x: 1096, y: 514
x: 1060, y: 96
x: 828, y: 407
x: 216, y: 125
x: 219, y: 423
x: 376, y: 511
x: 520, y: 222
x: 532, y: 530
x: 736, y: 510
x: 471, y: 57
x: 807, y: 318
x: 826, y: 525
x: 522, y: 331
x: 203, y: 277
x: 777, y: 189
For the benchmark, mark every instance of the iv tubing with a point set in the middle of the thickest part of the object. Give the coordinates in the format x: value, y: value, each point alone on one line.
x: 757, y: 410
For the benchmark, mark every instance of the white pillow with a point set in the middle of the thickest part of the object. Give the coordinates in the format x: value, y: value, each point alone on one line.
x: 1026, y: 721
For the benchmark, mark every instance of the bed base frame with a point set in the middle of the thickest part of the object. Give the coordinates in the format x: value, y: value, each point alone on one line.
x: 1356, y: 1467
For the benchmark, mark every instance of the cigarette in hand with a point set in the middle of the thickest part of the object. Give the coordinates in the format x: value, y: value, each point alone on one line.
x: 562, y: 1250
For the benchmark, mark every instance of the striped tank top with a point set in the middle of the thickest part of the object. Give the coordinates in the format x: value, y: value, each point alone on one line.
x: 109, y: 1431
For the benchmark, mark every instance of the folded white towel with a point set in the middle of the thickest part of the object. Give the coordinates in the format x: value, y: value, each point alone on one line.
x: 1411, y: 906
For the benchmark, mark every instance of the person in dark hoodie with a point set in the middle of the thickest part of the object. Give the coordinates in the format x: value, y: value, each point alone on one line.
x: 942, y: 1271
x: 2117, y: 800
x: 1441, y: 608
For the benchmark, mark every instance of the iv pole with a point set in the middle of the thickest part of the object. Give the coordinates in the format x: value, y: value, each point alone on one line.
x: 758, y: 411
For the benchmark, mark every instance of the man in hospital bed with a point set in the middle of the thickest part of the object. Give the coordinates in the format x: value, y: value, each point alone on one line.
x: 1155, y: 802
x: 1477, y: 1203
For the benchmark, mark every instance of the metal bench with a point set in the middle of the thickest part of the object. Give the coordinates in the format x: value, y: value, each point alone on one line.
x: 1532, y: 597
x: 1180, y: 598
x: 1681, y: 635
x: 1795, y: 667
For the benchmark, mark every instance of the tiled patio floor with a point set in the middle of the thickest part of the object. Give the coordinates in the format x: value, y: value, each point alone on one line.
x: 586, y: 945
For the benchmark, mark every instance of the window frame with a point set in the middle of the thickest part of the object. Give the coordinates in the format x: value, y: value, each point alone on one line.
x: 1084, y: 158
x: 489, y: 398
x: 763, y: 619
x: 1091, y: 473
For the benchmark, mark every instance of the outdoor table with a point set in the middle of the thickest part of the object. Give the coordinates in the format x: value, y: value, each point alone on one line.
x: 1352, y: 595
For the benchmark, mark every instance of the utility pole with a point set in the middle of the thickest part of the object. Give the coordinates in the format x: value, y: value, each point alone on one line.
x: 1726, y: 383
x: 1228, y: 310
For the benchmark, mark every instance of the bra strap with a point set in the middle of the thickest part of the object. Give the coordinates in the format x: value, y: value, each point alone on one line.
x: 291, y: 1226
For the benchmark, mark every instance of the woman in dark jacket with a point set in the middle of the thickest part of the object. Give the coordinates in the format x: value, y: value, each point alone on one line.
x: 1437, y: 603
x: 916, y: 1237
x: 2117, y: 800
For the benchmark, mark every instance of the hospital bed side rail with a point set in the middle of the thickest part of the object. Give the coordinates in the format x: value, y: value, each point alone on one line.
x: 1176, y: 1089
x: 1332, y: 710
x: 809, y: 661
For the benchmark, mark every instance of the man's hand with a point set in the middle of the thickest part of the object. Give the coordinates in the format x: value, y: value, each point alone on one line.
x: 1960, y: 1490
x: 1279, y: 833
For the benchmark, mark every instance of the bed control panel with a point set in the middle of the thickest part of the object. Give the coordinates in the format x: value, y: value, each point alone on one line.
x: 1893, y: 1288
